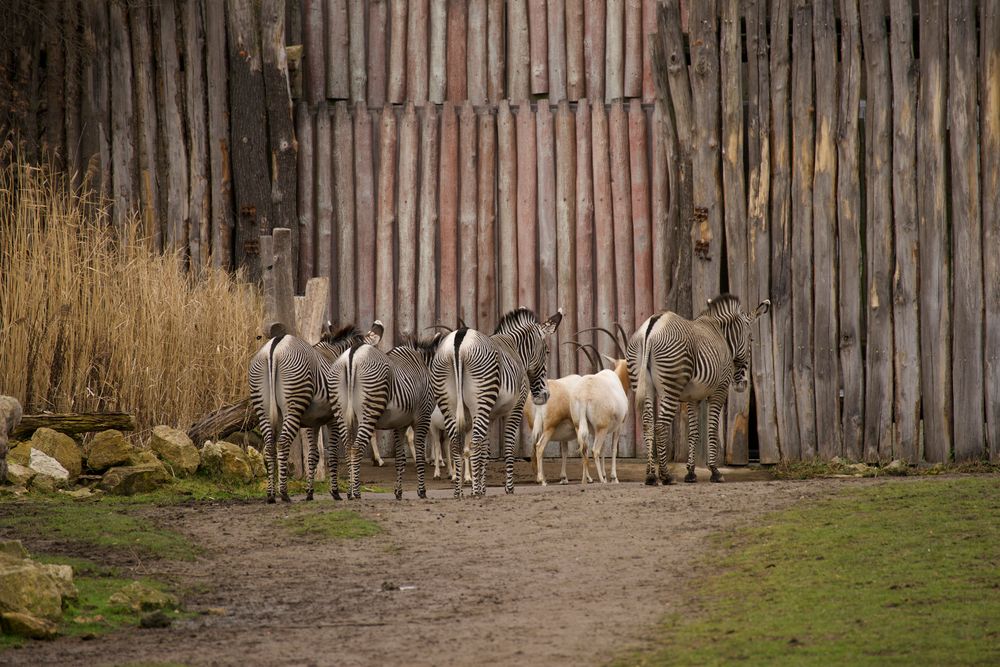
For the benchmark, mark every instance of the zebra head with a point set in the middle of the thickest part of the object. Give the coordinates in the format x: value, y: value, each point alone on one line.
x: 529, y: 336
x: 736, y: 324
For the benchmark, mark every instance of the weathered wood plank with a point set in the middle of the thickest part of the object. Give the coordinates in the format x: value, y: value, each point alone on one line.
x: 123, y: 164
x: 305, y: 135
x: 632, y: 86
x: 416, y: 53
x: 174, y: 161
x: 74, y: 423
x: 139, y: 20
x: 663, y: 210
x: 467, y: 218
x: 557, y: 50
x: 585, y: 266
x: 437, y: 84
x: 378, y: 24
x: 507, y: 188
x: 448, y: 286
x: 614, y: 54
x: 146, y: 110
x: 283, y: 278
x: 457, y: 61
x: 594, y: 42
x: 343, y: 184
x: 356, y: 45
x: 641, y: 223
x: 324, y: 203
x: 905, y: 312
x: 426, y: 266
x: 621, y: 196
x: 989, y: 151
x: 385, y: 287
x: 519, y: 52
x: 567, y: 285
x: 496, y: 65
x: 476, y: 57
x: 548, y: 296
x: 648, y: 36
x: 851, y: 296
x: 338, y: 73
x: 96, y: 137
x: 604, y: 227
x: 966, y: 235
x: 576, y: 73
x: 314, y: 77
x: 826, y: 375
x: 538, y: 34
x: 364, y: 214
x: 486, y: 276
x: 406, y: 269
x: 396, y: 93
x: 55, y: 73
x: 221, y: 191
x: 527, y: 202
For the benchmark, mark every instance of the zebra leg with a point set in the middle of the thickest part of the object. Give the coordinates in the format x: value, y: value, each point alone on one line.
x: 399, y: 447
x: 511, y: 429
x: 310, y: 435
x: 366, y: 431
x: 692, y: 416
x: 649, y: 435
x: 664, y: 421
x: 420, y: 441
x: 334, y: 436
x: 714, y: 416
x: 270, y: 461
x: 480, y: 447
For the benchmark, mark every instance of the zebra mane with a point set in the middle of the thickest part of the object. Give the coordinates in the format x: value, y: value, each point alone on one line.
x: 426, y: 346
x: 723, y: 305
x: 516, y: 319
x: 346, y: 333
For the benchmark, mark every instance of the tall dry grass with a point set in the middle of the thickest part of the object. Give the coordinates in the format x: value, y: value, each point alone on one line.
x: 91, y: 319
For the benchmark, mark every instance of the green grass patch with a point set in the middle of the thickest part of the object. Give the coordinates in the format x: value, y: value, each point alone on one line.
x: 902, y: 573
x: 335, y: 524
x: 835, y: 468
x: 200, y: 488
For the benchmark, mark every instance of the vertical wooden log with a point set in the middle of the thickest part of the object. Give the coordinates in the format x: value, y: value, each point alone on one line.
x: 378, y: 23
x: 664, y: 210
x: 384, y: 235
x: 584, y: 228
x: 70, y: 25
x: 356, y: 40
x: 989, y: 147
x: 576, y: 72
x: 314, y: 79
x: 96, y: 138
x: 486, y: 288
x: 397, y: 52
x: 437, y: 84
x: 199, y: 221
x: 305, y: 135
x: 556, y: 32
x: 802, y: 222
x: 548, y: 293
x: 632, y: 86
x: 221, y: 193
x: 416, y: 53
x: 448, y: 203
x: 426, y: 266
x: 621, y: 188
x: 648, y: 36
x: 406, y: 276
x: 966, y: 240
x: 735, y: 214
x: 641, y: 230
x: 567, y: 285
x: 338, y: 72
x: 507, y: 185
x: 878, y: 291
x: 476, y: 52
x: 123, y: 165
x: 467, y: 222
x: 519, y: 52
x: 849, y: 233
x: 343, y: 196
x: 826, y: 375
x: 496, y: 66
x: 614, y: 77
x: 781, y: 235
x: 283, y: 278
x: 364, y: 212
x: 905, y: 313
x: 538, y: 31
x: 145, y: 111
x: 594, y: 48
x: 932, y: 183
x: 527, y: 207
x: 324, y: 205
x: 457, y: 44
x: 293, y: 27
x: 759, y: 240
x: 175, y: 163
x: 55, y: 75
x: 604, y: 226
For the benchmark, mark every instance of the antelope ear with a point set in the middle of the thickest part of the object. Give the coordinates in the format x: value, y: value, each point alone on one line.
x: 549, y: 326
x: 374, y: 336
x: 761, y: 308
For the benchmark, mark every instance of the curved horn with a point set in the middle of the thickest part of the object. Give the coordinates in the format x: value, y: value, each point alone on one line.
x: 462, y: 324
x: 595, y: 362
x: 621, y: 332
x: 438, y: 326
x: 613, y: 337
x: 598, y: 355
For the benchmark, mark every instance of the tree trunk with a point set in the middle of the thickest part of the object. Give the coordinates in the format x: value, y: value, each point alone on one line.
x: 323, y: 179
x: 358, y: 59
x: 377, y: 33
x: 604, y: 225
x: 632, y: 86
x: 70, y: 26
x: 314, y: 59
x: 624, y: 236
x: 228, y: 419
x: 438, y: 79
x: 519, y: 50
x: 641, y: 230
x: 538, y: 27
x: 304, y: 130
x: 74, y: 423
x: 55, y: 76
x: 576, y: 73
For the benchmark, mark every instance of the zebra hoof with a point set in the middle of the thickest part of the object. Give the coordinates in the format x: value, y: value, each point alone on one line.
x: 667, y: 480
x: 309, y: 495
x: 717, y: 477
x: 398, y: 494
x: 285, y: 498
x: 270, y: 500
x: 336, y: 495
x: 690, y: 477
x: 422, y: 494
x: 510, y: 491
x: 650, y: 480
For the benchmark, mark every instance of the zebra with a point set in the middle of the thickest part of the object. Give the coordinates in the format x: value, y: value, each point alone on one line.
x: 482, y: 379
x: 674, y: 360
x: 390, y: 390
x: 288, y: 390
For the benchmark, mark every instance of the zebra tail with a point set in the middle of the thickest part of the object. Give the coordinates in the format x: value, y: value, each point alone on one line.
x: 350, y: 418
x: 459, y: 399
x: 645, y: 389
x: 272, y: 393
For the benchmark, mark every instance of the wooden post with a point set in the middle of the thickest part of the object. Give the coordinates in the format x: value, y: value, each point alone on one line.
x: 314, y: 79
x: 174, y: 167
x: 621, y: 188
x: 386, y: 224
x: 123, y: 163
x: 139, y: 20
x: 584, y: 227
x: 641, y: 230
x: 457, y: 60
x: 648, y: 37
x: 826, y: 375
x: 604, y: 226
x: 467, y: 219
x: 556, y: 33
x: 378, y: 22
x: 364, y: 213
x: 518, y: 44
x: 507, y: 185
x: 397, y: 52
x: 439, y: 33
x: 989, y: 146
x: 538, y: 27
x: 567, y: 285
x: 905, y: 313
x: 486, y: 288
x: 576, y: 73
x: 267, y: 283
x: 664, y: 207
x: 310, y: 316
x: 448, y: 287
x: 614, y: 83
x: 594, y: 48
x: 146, y: 112
x: 802, y: 238
x: 496, y: 66
x: 632, y: 86
x: 306, y: 191
x: 406, y: 277
x: 324, y: 204
x: 338, y: 74
x: 548, y: 292
x: 55, y: 73
x: 476, y: 58
x: 426, y: 266
x: 356, y: 46
x: 966, y: 234
x: 221, y: 193
x: 283, y: 279
x: 343, y: 184
x: 97, y: 96
x: 527, y: 207
x: 416, y: 53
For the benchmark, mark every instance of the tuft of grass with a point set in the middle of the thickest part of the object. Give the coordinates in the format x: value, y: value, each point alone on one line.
x: 901, y: 573
x: 335, y: 524
x: 838, y: 467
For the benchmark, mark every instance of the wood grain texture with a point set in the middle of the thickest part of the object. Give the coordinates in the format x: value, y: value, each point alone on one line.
x: 416, y: 52
x: 438, y: 75
x: 457, y: 62
x: 467, y: 215
x: 252, y: 187
x: 567, y: 285
x: 663, y: 209
x: 358, y: 56
x: 557, y: 50
x: 343, y: 197
x: 95, y: 137
x: 547, y: 268
x: 364, y: 213
x: 378, y: 31
x: 507, y: 223
x: 538, y: 33
x: 648, y: 37
x: 576, y: 72
x: 55, y: 72
x: 585, y: 265
x: 614, y: 54
x: 306, y: 193
x: 338, y: 62
x: 621, y: 197
x: 218, y: 141
x: 314, y: 51
x: 140, y: 22
x: 448, y: 211
x: 397, y: 39
x: 604, y: 226
x: 989, y: 151
x: 476, y: 56
x: 123, y: 149
x: 324, y: 201
x: 486, y: 276
x: 426, y: 263
x: 632, y: 83
x: 527, y: 208
x: 641, y: 222
x: 406, y: 224
x: 594, y: 41
x: 496, y: 51
x: 385, y: 285
x: 518, y: 52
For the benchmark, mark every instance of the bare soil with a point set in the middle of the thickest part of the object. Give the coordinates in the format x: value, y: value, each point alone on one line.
x: 549, y: 576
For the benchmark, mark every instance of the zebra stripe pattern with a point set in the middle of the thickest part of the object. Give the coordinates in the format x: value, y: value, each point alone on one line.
x: 673, y: 360
x: 478, y: 379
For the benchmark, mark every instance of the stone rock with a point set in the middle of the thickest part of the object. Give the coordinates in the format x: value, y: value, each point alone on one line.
x: 145, y: 457
x: 19, y: 475
x: 28, y: 587
x: 129, y: 480
x: 246, y: 439
x: 13, y: 549
x: 20, y: 454
x: 224, y: 460
x: 80, y: 493
x: 61, y: 447
x: 256, y: 460
x: 106, y: 450
x: 26, y: 625
x: 140, y: 597
x: 44, y: 464
x: 176, y: 450
x: 45, y: 483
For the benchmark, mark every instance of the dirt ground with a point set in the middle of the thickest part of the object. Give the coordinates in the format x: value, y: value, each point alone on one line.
x: 549, y: 576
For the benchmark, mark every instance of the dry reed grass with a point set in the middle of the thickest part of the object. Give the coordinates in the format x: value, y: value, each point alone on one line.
x: 91, y: 319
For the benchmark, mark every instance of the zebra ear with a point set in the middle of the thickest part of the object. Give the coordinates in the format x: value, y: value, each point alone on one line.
x: 761, y: 309
x: 374, y: 336
x: 549, y: 326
